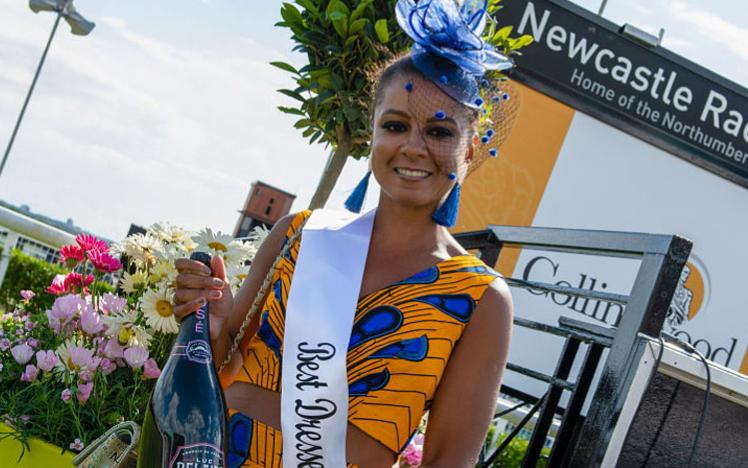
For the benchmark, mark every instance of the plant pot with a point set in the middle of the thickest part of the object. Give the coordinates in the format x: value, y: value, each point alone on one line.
x: 40, y: 453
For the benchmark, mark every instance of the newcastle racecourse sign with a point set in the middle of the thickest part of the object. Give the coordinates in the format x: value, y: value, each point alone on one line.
x: 584, y: 61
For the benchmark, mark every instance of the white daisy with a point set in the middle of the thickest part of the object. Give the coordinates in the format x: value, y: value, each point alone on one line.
x: 132, y: 282
x: 169, y: 233
x: 215, y: 242
x: 141, y: 248
x: 165, y: 273
x: 128, y: 333
x: 258, y: 235
x: 236, y: 274
x: 157, y: 309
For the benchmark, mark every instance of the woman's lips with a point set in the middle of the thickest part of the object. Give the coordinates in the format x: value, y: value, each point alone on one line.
x: 412, y: 174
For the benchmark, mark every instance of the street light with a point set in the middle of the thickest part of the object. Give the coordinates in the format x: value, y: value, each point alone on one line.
x: 78, y: 26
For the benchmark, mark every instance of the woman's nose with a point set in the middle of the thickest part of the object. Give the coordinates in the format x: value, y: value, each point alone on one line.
x: 415, y: 145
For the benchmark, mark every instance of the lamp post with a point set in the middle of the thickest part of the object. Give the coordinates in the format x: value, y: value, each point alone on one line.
x: 78, y: 25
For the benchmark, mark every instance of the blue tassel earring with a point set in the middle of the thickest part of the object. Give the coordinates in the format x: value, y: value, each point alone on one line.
x: 355, y: 200
x: 446, y: 214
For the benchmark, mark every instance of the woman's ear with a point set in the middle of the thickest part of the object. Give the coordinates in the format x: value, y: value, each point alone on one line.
x: 470, y: 150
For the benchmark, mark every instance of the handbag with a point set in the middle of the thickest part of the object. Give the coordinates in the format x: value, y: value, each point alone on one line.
x: 113, y: 449
x: 260, y: 296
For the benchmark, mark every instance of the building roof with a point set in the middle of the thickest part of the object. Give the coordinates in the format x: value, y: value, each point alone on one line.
x: 68, y: 226
x: 259, y: 182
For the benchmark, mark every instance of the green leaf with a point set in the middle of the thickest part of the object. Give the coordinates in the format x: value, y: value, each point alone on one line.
x: 308, y: 131
x: 291, y: 14
x: 292, y: 94
x: 316, y: 135
x: 350, y: 41
x: 360, y: 9
x: 503, y: 33
x: 291, y: 110
x: 301, y: 123
x: 337, y: 16
x: 383, y: 33
x: 285, y: 66
x: 309, y: 6
x: 337, y: 5
x: 357, y: 26
x: 523, y: 41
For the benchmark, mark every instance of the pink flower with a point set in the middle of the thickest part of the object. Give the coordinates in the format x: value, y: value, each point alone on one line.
x: 90, y: 321
x: 75, y: 280
x: 58, y: 285
x: 65, y: 395
x: 136, y: 356
x: 112, y: 349
x: 22, y: 353
x: 151, y: 370
x: 111, y: 304
x: 76, y: 445
x: 33, y: 342
x: 84, y: 391
x: 82, y: 358
x: 107, y: 366
x: 104, y: 262
x: 29, y: 375
x: 63, y: 310
x: 71, y: 255
x: 4, y: 344
x: 412, y: 455
x: 27, y: 295
x: 85, y: 376
x: 46, y: 360
x: 89, y: 243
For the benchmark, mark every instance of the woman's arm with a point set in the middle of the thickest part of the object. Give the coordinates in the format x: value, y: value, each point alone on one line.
x: 263, y: 261
x: 465, y: 400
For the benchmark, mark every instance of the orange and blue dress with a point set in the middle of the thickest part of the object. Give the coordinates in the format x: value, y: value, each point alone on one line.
x: 400, y: 343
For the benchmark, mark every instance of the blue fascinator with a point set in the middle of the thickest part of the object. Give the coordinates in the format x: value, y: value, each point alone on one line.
x: 449, y: 49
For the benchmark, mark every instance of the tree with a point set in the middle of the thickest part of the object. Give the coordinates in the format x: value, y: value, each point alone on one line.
x: 344, y: 40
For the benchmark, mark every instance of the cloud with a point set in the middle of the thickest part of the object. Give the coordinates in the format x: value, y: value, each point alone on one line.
x: 713, y: 27
x: 124, y: 127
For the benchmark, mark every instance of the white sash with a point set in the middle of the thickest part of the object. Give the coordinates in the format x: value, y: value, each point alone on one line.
x: 319, y: 316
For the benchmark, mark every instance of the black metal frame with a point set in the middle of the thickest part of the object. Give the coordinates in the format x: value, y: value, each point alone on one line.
x: 582, y: 442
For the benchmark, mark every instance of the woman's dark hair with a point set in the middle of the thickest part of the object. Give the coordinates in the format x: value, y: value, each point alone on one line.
x: 399, y: 66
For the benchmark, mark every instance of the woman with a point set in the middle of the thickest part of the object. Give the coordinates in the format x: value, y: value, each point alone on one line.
x: 446, y: 348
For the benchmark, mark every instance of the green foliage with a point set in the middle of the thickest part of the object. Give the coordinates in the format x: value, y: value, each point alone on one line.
x: 26, y: 272
x: 514, y: 453
x: 342, y: 39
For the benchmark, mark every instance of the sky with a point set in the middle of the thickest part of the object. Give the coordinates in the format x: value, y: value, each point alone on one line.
x: 167, y: 110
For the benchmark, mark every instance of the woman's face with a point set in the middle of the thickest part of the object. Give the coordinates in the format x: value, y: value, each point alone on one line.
x: 420, y: 136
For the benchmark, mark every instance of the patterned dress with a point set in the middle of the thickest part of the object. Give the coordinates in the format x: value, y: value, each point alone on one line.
x: 400, y: 343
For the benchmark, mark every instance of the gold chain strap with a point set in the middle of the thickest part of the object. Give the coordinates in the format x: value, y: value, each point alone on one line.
x: 260, y: 295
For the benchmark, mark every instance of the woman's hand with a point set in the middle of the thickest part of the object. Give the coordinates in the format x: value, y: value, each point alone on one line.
x: 195, y: 286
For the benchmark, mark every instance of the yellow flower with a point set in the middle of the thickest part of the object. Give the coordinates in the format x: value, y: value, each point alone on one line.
x: 158, y: 312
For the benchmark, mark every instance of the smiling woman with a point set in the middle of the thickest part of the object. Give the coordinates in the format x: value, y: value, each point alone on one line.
x: 429, y: 324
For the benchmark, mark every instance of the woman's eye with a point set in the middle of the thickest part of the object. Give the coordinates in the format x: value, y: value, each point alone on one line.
x: 440, y: 132
x: 394, y: 127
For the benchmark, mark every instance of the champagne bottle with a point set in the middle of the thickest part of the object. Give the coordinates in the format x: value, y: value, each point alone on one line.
x: 185, y: 422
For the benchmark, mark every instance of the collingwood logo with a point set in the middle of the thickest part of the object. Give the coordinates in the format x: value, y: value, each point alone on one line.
x: 691, y: 295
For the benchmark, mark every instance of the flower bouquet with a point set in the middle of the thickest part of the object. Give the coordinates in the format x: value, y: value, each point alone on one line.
x: 89, y: 362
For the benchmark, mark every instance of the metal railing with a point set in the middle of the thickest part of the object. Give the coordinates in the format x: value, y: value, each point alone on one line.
x: 581, y: 441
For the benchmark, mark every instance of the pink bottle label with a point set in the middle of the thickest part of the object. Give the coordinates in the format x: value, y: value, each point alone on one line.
x: 197, y: 456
